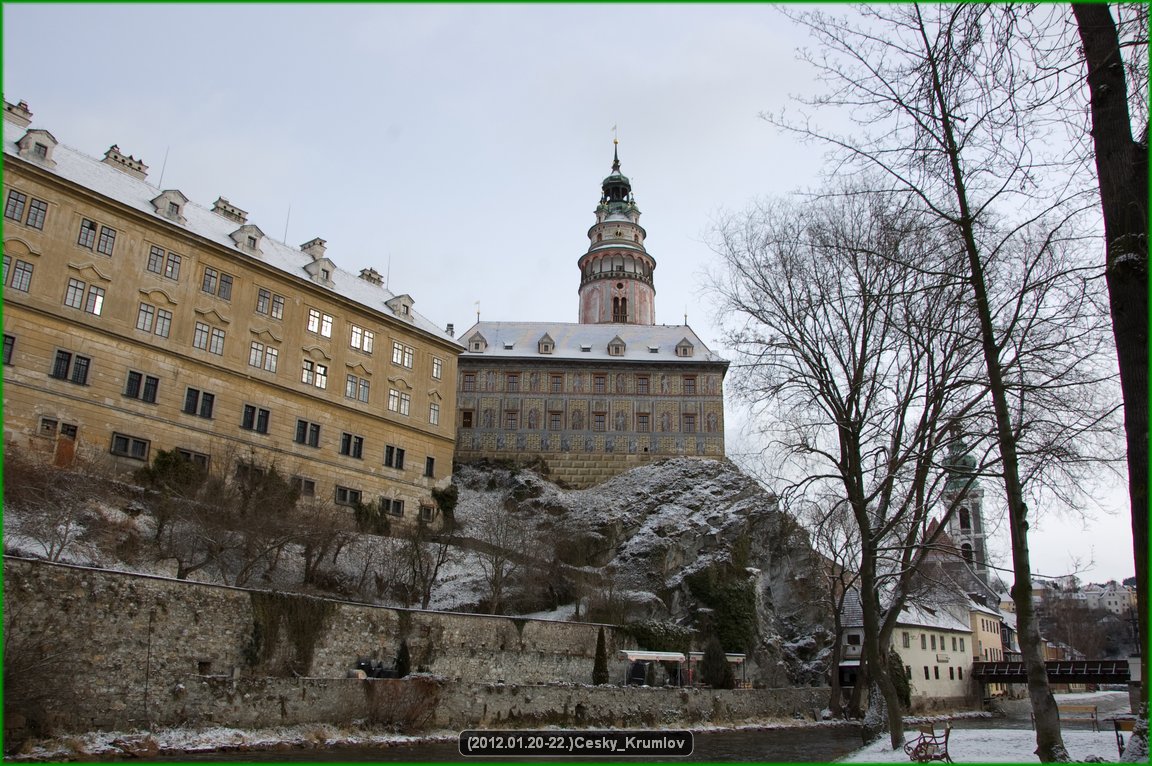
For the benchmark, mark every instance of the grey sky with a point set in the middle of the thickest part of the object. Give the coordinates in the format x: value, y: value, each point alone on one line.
x: 457, y: 148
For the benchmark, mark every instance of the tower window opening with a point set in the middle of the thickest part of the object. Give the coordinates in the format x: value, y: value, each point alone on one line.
x: 966, y: 550
x: 619, y: 309
x: 965, y: 519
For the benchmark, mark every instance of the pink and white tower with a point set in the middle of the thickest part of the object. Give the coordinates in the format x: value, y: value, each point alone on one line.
x: 616, y: 272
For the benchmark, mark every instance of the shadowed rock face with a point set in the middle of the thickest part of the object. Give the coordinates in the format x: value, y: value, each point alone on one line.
x: 649, y: 533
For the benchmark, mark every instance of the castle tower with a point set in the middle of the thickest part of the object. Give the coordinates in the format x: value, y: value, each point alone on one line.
x: 962, y: 488
x: 616, y: 272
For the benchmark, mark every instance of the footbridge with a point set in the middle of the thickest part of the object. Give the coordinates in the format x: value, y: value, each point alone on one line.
x: 1059, y: 672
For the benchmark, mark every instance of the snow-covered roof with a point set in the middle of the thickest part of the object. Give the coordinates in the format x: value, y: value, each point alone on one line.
x: 115, y: 184
x: 929, y: 617
x: 643, y: 343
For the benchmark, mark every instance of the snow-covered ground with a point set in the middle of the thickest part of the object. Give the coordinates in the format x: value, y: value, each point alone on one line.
x: 1008, y: 745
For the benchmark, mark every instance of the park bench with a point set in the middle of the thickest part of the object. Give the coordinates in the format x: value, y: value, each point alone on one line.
x: 1076, y: 713
x: 1122, y: 726
x: 930, y: 746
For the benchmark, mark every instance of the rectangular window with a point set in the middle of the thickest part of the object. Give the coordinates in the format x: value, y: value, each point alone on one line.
x: 163, y: 322
x: 9, y: 346
x: 74, y: 295
x: 142, y: 387
x: 923, y: 642
x: 196, y: 458
x: 689, y: 424
x: 87, y: 237
x: 643, y: 422
x: 357, y: 388
x: 263, y: 301
x: 255, y: 419
x: 557, y: 384
x: 511, y: 421
x: 197, y: 402
x: 427, y: 513
x: 107, y: 241
x: 48, y: 427
x: 362, y: 339
x: 394, y: 457
x: 7, y: 263
x: 434, y: 414
x: 37, y: 214
x: 351, y: 445
x: 22, y: 276
x: 200, y: 336
x: 642, y: 384
x: 277, y: 306
x: 598, y: 420
x: 156, y: 260
x: 304, y: 487
x: 512, y: 382
x: 961, y: 643
x: 403, y: 355
x: 960, y: 674
x: 933, y: 642
x: 263, y: 357
x: 307, y: 433
x: 907, y: 640
x: 95, y: 302
x: 469, y: 382
x: 172, y: 266
x: 466, y: 418
x: 71, y: 367
x: 598, y: 384
x: 216, y: 343
x: 314, y: 373
x: 319, y: 323
x: 346, y: 496
x: 14, y: 208
x: 953, y: 643
x: 146, y: 317
x: 394, y: 507
x: 951, y: 673
x: 437, y: 368
x: 555, y: 421
x: 430, y: 467
x: 927, y: 674
x: 689, y: 385
x: 216, y: 283
x: 130, y: 446
x: 399, y: 401
x: 936, y: 672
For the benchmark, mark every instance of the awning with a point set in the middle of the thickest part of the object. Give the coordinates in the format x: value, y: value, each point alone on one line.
x: 635, y: 655
x: 849, y: 663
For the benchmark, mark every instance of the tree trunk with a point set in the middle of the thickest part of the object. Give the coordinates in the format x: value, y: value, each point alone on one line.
x: 1049, y: 742
x: 1122, y: 169
x: 877, y: 657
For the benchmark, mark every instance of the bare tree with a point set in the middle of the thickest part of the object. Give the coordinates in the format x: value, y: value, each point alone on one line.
x: 44, y: 503
x: 1122, y: 170
x: 502, y: 541
x: 861, y: 364
x: 424, y: 554
x: 947, y: 113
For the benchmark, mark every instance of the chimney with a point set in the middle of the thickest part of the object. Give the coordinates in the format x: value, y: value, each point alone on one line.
x: 225, y: 208
x: 450, y: 330
x: 314, y: 247
x: 129, y: 164
x: 18, y: 114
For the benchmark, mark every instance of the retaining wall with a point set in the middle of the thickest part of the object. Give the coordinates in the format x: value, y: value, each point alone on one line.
x: 101, y: 649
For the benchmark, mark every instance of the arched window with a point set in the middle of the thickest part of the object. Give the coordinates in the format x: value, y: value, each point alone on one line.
x: 966, y: 551
x: 965, y: 519
x: 619, y: 309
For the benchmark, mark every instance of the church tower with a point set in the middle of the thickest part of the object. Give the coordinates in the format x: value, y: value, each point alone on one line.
x: 616, y: 272
x: 962, y: 488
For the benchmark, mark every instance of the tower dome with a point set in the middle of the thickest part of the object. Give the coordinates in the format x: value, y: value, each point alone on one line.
x: 616, y: 273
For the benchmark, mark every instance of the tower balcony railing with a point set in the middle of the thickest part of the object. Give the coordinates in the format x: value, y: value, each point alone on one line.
x: 618, y: 274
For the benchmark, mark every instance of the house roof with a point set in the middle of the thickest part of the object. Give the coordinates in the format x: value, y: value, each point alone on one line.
x: 519, y: 340
x: 91, y: 173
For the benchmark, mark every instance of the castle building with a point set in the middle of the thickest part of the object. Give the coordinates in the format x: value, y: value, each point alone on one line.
x: 966, y: 526
x: 136, y: 320
x: 594, y: 398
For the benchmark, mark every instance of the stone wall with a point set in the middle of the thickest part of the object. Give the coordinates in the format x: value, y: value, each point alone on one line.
x: 103, y: 649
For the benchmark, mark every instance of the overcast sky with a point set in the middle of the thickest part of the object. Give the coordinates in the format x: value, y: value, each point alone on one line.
x: 459, y: 149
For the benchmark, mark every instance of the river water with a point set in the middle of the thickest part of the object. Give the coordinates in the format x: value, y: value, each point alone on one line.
x: 793, y: 744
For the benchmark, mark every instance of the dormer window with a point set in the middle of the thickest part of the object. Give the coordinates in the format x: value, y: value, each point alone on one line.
x: 586, y: 347
x: 401, y: 305
x: 37, y: 145
x: 685, y: 348
x: 248, y: 238
x: 616, y: 347
x: 653, y: 349
x: 509, y: 346
x: 477, y: 342
x: 170, y: 204
x: 545, y: 345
